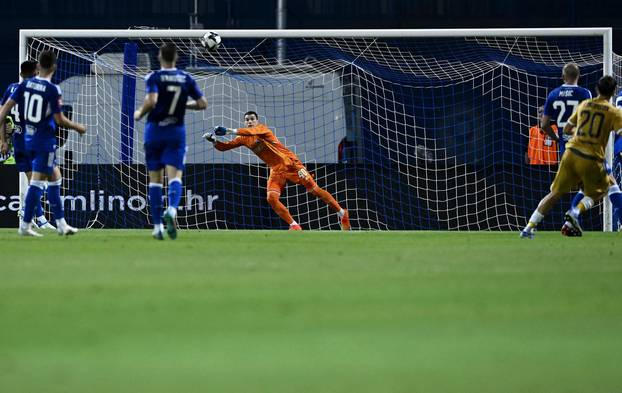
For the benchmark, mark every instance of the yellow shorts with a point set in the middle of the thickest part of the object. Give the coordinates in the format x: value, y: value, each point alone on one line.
x: 575, y: 169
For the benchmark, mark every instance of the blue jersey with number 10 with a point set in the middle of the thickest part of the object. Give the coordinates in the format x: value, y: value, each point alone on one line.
x: 38, y: 99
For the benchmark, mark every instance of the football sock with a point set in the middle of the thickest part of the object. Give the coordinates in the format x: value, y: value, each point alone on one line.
x: 61, y: 223
x: 577, y: 198
x: 293, y: 223
x: 279, y: 208
x: 33, y: 195
x: 615, y: 196
x: 174, y: 194
x: 583, y: 206
x: 38, y: 210
x: 155, y: 201
x: 56, y: 204
x: 327, y: 198
x: 534, y: 220
x: 341, y: 212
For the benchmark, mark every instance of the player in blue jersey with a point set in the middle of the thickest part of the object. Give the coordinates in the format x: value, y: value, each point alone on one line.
x: 561, y: 103
x: 40, y: 103
x: 23, y: 161
x: 559, y: 106
x: 166, y: 102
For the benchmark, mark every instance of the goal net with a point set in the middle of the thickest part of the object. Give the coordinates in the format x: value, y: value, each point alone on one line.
x: 406, y: 129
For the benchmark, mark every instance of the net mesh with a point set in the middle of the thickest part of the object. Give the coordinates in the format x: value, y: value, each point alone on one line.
x: 406, y: 133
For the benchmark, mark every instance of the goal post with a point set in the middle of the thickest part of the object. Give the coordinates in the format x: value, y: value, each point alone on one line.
x: 409, y: 129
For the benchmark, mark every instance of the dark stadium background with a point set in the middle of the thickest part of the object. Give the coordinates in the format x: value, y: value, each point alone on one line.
x: 303, y: 14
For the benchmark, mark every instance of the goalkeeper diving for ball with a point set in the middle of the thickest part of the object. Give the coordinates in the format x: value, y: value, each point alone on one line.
x: 284, y: 166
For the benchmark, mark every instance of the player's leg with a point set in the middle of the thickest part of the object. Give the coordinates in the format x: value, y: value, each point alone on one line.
x: 55, y: 181
x: 174, y: 176
x: 565, y: 179
x: 173, y: 157
x: 23, y: 162
x: 40, y: 220
x: 33, y: 194
x: 155, y: 202
x: 155, y: 168
x: 545, y: 205
x: 276, y: 182
x: 595, y: 184
x: 344, y: 216
x: 568, y: 229
x: 302, y: 176
x: 615, y: 196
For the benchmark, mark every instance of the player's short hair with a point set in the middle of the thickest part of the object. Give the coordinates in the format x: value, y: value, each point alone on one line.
x: 571, y: 71
x: 606, y: 86
x: 168, y: 52
x: 28, y: 68
x: 251, y: 113
x: 47, y: 60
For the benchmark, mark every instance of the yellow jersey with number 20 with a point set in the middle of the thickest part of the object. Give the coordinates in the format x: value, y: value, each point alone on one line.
x: 594, y: 120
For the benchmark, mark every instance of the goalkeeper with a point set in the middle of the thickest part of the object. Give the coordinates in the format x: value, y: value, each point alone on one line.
x: 284, y: 166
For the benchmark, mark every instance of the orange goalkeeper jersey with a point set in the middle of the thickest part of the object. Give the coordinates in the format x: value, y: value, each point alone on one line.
x: 264, y: 144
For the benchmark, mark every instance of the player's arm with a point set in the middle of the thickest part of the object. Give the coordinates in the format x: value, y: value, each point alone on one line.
x: 223, y: 146
x: 199, y: 102
x: 63, y: 121
x: 148, y: 104
x: 197, y: 105
x: 6, y: 108
x: 254, y: 131
x: 571, y: 123
x: 548, y: 129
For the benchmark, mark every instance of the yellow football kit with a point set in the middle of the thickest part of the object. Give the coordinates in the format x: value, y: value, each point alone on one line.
x: 583, y: 160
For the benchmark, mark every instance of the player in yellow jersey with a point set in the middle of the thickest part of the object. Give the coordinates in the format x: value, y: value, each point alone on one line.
x: 583, y: 160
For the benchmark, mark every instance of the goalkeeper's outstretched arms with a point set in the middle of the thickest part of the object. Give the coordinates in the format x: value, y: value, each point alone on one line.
x: 211, y: 136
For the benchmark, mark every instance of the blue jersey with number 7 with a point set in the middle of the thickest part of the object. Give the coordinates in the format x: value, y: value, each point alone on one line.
x: 38, y: 99
x: 173, y: 87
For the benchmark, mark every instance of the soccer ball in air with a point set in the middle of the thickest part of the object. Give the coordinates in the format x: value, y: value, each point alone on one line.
x: 211, y: 41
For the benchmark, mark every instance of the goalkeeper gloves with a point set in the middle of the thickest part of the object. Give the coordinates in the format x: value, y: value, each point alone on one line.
x: 210, y: 137
x: 220, y: 131
x: 10, y: 125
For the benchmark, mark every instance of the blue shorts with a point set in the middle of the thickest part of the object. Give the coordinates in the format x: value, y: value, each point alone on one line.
x: 43, y: 161
x: 23, y: 160
x: 165, y: 152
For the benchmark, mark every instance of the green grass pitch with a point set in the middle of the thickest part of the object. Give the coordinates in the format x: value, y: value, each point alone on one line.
x: 274, y: 311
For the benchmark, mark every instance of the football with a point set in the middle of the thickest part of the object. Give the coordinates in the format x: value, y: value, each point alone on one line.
x: 211, y: 41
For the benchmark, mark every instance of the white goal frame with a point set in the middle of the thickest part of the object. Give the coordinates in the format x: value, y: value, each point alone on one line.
x: 604, y: 32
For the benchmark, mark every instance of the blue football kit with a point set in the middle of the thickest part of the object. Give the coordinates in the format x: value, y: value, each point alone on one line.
x: 23, y: 159
x: 39, y: 100
x: 165, y: 132
x: 559, y: 106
